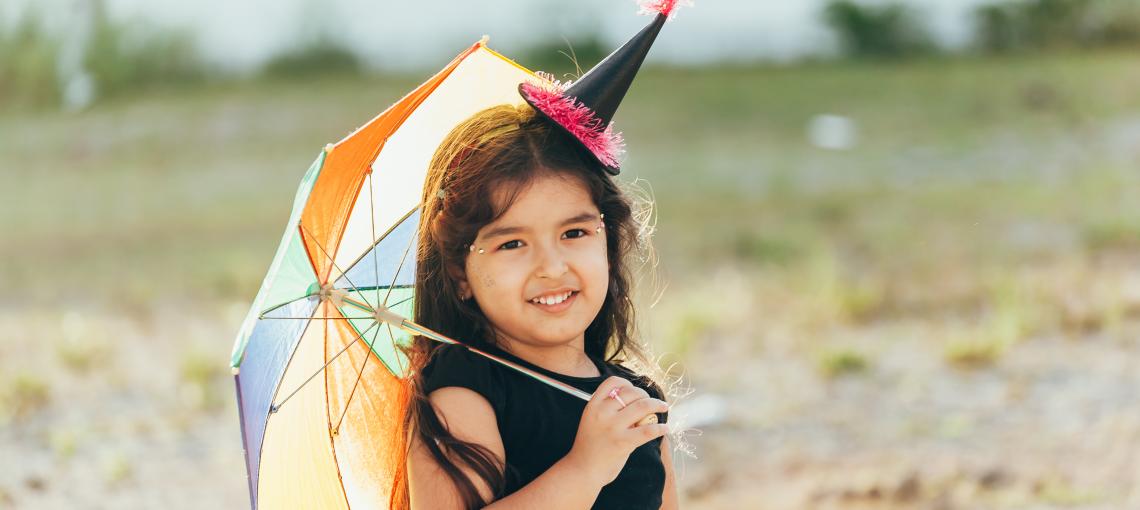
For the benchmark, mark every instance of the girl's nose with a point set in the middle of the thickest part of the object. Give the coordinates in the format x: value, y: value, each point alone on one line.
x: 551, y: 262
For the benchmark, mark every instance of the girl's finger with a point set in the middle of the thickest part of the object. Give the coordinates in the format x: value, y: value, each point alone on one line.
x: 649, y: 419
x: 634, y: 413
x: 633, y: 394
x: 642, y: 435
x: 601, y: 398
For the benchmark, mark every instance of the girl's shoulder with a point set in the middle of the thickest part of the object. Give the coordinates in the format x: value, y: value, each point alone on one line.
x: 454, y: 365
x: 452, y: 354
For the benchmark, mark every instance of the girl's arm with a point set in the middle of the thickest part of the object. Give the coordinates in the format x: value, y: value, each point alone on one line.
x: 566, y: 485
x: 470, y: 418
x: 669, y: 495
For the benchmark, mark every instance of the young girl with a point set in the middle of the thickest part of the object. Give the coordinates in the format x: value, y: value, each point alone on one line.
x: 522, y: 255
x: 523, y: 244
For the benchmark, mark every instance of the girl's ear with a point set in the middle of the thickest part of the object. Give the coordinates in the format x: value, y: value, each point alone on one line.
x: 461, y: 281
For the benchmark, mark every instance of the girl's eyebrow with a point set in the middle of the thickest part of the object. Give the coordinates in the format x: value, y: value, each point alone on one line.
x: 505, y: 230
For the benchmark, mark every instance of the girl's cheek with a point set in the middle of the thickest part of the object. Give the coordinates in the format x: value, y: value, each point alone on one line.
x: 481, y: 274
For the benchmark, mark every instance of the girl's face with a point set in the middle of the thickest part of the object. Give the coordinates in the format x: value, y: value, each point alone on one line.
x: 543, y: 274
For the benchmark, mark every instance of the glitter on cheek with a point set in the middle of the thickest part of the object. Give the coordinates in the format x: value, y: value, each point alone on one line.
x: 484, y: 277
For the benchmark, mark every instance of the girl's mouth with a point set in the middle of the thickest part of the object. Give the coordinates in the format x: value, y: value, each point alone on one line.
x: 557, y: 303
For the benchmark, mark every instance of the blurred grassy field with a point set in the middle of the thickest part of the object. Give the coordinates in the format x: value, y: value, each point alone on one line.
x: 191, y: 186
x: 988, y: 201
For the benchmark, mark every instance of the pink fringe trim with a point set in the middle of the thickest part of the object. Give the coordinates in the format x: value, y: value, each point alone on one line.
x: 605, y: 143
x: 666, y: 7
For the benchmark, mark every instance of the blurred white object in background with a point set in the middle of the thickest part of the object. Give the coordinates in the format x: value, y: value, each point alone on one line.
x: 834, y: 132
x: 701, y: 410
x: 78, y: 91
x: 78, y: 86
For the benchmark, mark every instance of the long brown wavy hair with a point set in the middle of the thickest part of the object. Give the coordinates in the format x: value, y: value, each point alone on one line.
x: 502, y: 149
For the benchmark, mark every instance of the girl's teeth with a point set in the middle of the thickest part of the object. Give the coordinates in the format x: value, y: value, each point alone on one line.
x: 553, y: 300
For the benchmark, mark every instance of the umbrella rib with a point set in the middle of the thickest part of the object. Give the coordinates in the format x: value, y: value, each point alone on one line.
x: 384, y: 236
x: 392, y: 335
x: 400, y: 267
x: 333, y: 262
x: 277, y: 407
x: 359, y: 374
x: 282, y: 305
x: 375, y: 262
x: 400, y: 302
x: 306, y: 318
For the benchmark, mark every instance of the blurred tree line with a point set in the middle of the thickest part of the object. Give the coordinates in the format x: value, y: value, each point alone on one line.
x: 105, y: 58
x: 895, y: 29
x: 1051, y: 24
x: 100, y: 58
x: 95, y: 56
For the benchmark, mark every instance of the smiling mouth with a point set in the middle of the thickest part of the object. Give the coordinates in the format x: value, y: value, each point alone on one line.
x: 556, y: 302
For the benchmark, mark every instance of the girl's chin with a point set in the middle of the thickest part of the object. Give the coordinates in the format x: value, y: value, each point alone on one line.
x: 554, y: 334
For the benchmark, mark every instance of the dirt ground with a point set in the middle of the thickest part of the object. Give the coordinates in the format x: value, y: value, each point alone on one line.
x: 142, y: 416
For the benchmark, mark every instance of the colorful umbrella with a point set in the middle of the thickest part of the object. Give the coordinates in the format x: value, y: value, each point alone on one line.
x: 316, y: 363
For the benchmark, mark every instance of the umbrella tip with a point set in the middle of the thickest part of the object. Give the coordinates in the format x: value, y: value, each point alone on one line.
x: 328, y: 148
x: 483, y: 40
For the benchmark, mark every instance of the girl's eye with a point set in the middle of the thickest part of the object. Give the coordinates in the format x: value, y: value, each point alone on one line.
x: 570, y: 234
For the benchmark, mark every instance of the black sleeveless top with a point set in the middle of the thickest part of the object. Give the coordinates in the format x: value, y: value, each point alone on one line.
x: 538, y: 423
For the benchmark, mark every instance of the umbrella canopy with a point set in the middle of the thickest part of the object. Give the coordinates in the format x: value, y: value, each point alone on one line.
x: 316, y: 365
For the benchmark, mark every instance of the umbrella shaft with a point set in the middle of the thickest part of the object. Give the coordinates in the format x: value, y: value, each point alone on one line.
x: 357, y: 304
x: 414, y: 328
x: 386, y: 315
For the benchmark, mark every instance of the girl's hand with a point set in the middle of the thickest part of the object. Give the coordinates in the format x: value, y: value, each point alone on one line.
x: 607, y: 434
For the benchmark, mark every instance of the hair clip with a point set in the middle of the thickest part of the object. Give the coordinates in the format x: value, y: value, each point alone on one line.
x: 441, y: 193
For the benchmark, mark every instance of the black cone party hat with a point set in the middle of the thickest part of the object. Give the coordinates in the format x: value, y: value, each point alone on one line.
x: 586, y: 107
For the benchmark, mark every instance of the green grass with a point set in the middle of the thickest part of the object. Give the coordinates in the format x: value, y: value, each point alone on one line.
x: 839, y: 362
x: 27, y: 64
x: 21, y: 395
x: 982, y: 351
x: 202, y: 378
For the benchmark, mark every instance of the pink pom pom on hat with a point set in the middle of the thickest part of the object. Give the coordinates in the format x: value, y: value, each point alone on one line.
x: 585, y: 108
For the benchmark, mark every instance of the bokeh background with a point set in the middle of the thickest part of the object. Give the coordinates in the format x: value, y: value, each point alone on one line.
x: 898, y: 243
